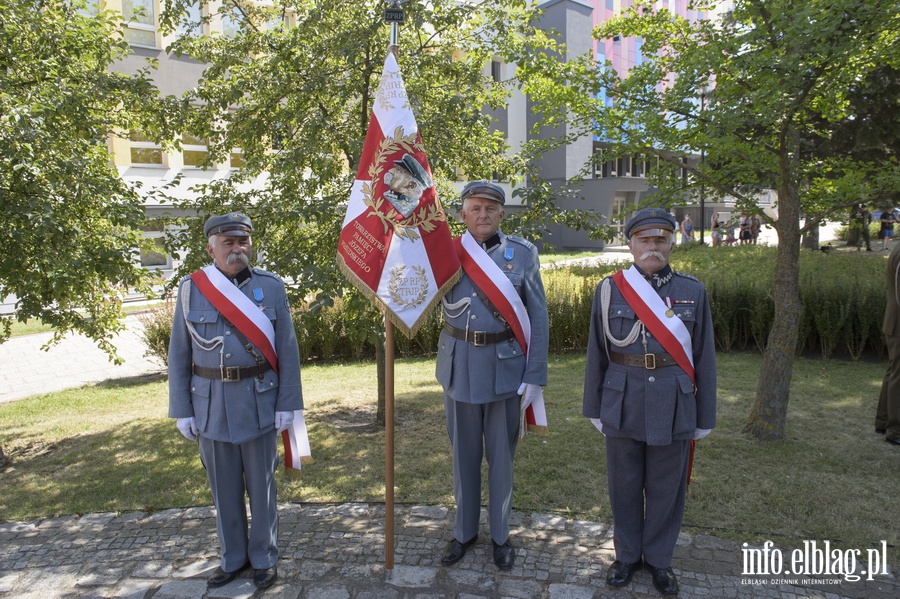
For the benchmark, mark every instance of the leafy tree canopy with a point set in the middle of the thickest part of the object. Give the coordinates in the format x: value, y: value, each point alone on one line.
x: 70, y: 225
x: 798, y: 98
x: 293, y: 88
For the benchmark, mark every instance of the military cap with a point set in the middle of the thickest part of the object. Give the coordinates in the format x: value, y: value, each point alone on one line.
x: 410, y: 164
x: 236, y: 224
x: 650, y: 222
x: 484, y: 189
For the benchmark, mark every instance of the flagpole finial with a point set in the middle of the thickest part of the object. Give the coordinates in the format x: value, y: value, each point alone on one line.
x: 395, y: 16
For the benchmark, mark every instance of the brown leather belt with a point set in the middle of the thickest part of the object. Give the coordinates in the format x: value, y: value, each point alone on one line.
x: 478, y: 338
x: 231, y: 374
x: 648, y: 361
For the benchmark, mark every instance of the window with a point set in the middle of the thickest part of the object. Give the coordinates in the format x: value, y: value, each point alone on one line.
x: 196, y: 154
x: 495, y: 70
x: 157, y: 256
x: 140, y: 16
x: 192, y: 21
x: 236, y: 158
x: 144, y: 151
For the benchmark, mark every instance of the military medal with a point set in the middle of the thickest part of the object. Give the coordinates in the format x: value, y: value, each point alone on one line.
x: 508, y: 255
x: 258, y: 296
x: 670, y: 312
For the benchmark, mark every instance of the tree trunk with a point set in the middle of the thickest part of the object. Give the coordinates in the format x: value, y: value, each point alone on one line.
x: 768, y: 416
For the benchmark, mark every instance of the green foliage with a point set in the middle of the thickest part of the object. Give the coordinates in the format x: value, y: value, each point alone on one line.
x: 70, y: 225
x: 297, y: 100
x: 842, y: 297
x: 157, y: 330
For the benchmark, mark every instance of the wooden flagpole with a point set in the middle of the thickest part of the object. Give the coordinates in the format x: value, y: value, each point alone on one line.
x: 393, y: 15
x: 388, y: 446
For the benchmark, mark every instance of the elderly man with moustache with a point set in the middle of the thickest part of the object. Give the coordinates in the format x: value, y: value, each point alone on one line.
x: 234, y: 382
x: 650, y: 388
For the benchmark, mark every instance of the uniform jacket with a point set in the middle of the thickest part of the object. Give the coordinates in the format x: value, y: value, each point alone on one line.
x: 891, y: 324
x: 653, y: 406
x: 240, y: 411
x: 494, y: 372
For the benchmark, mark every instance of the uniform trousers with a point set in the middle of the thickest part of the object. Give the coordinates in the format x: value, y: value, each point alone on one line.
x: 887, y: 414
x: 231, y: 468
x: 477, y: 430
x: 647, y: 485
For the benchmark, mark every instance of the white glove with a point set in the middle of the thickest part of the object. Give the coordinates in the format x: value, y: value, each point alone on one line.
x: 598, y: 424
x: 529, y: 392
x: 188, y: 428
x: 701, y: 432
x: 283, y: 420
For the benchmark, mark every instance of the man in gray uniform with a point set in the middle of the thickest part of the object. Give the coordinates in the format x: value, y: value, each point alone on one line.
x: 226, y: 390
x: 484, y: 371
x: 650, y: 387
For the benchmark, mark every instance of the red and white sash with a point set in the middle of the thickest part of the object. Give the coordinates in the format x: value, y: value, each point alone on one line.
x: 240, y: 311
x: 488, y: 277
x: 650, y: 308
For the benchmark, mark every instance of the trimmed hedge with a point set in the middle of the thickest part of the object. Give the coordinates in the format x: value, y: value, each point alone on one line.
x: 842, y: 297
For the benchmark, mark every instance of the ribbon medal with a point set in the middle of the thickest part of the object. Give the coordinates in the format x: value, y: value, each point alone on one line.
x: 670, y: 312
x: 508, y: 255
x: 258, y: 297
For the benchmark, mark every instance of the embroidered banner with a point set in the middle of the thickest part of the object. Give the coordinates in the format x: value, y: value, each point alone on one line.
x: 395, y: 244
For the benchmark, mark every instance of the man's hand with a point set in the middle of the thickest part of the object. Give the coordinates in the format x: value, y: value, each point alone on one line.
x: 701, y: 432
x: 188, y: 428
x: 283, y: 420
x: 529, y: 393
x: 596, y: 422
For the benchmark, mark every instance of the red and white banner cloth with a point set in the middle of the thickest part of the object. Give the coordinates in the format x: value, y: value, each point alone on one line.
x: 240, y: 311
x: 657, y: 317
x: 488, y: 277
x: 395, y: 244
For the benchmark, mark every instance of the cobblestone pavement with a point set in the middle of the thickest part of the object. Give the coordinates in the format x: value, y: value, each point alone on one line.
x: 337, y: 552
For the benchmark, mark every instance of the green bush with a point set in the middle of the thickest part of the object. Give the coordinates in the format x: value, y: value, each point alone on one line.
x: 158, y: 330
x: 842, y: 302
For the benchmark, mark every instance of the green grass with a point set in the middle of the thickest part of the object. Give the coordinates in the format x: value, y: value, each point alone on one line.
x: 110, y: 447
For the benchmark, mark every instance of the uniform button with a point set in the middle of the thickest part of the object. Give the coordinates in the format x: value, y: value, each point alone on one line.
x: 652, y: 379
x: 618, y: 311
x: 474, y: 294
x: 474, y: 317
x: 271, y: 383
x: 193, y: 388
x: 227, y: 355
x: 514, y: 352
x: 227, y: 332
x: 202, y: 318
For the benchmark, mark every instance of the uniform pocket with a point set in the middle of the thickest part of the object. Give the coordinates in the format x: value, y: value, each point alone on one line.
x: 685, y: 420
x: 266, y: 395
x: 200, y: 390
x: 612, y: 400
x: 444, y: 368
x: 510, y: 367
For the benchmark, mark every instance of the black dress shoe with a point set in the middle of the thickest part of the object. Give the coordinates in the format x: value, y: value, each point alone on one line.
x: 220, y: 577
x: 504, y: 555
x: 620, y: 573
x: 265, y: 577
x: 456, y: 550
x: 880, y: 431
x: 893, y: 441
x: 664, y: 580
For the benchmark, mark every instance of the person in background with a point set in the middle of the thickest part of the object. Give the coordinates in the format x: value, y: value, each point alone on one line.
x: 888, y: 219
x: 234, y: 383
x: 687, y: 229
x: 650, y: 388
x: 887, y: 414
